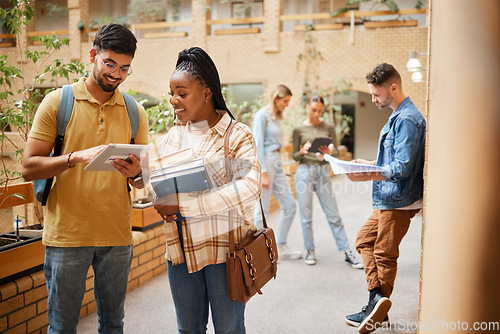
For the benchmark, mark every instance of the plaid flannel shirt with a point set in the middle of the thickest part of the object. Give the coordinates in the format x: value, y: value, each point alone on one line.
x: 208, y: 213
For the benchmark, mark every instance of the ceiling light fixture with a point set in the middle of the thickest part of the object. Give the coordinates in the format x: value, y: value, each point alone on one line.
x: 415, y: 66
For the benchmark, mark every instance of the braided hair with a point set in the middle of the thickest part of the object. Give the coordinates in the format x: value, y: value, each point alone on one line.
x: 199, y: 64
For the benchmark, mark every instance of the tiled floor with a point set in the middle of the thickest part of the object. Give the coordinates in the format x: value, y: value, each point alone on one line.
x: 303, y: 299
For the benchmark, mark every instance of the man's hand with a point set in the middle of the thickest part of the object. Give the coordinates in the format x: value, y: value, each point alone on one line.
x: 370, y: 176
x: 364, y: 162
x: 86, y: 156
x: 128, y: 169
x: 37, y: 164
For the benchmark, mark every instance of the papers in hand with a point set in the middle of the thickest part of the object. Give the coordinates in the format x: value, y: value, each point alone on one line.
x: 181, y: 178
x: 345, y: 167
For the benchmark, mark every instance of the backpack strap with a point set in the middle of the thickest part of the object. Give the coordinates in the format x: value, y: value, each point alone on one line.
x: 63, y: 116
x: 133, y: 114
x: 64, y: 111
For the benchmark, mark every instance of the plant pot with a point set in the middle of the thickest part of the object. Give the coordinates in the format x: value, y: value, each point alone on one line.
x: 19, y: 258
x: 31, y: 230
x: 390, y: 24
x: 144, y: 217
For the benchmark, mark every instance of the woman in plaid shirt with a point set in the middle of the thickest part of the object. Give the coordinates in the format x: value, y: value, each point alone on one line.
x: 198, y: 222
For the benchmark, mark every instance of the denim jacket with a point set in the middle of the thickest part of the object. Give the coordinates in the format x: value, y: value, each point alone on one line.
x: 401, y: 155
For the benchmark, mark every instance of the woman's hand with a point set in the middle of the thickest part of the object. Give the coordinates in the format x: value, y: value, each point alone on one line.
x: 324, y: 149
x: 168, y: 208
x: 305, y: 148
x: 265, y: 181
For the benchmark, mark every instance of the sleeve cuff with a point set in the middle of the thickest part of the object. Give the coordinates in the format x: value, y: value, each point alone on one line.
x: 386, y: 173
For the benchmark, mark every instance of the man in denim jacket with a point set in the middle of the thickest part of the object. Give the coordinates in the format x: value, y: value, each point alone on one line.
x: 397, y: 193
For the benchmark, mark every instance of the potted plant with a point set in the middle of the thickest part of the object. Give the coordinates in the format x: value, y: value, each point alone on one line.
x: 23, y: 252
x: 81, y: 26
x: 18, y: 106
x: 143, y: 11
x: 391, y: 5
x: 19, y: 253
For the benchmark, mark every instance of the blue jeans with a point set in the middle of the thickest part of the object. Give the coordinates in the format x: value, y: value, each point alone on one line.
x: 65, y: 270
x: 280, y: 188
x: 194, y: 293
x: 309, y: 179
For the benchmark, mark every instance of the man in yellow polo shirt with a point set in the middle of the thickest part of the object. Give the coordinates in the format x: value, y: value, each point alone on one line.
x: 87, y: 215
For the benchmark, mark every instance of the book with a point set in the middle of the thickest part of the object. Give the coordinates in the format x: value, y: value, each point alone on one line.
x: 346, y: 167
x: 180, y: 167
x: 102, y: 162
x: 177, y: 157
x: 318, y: 142
x: 181, y: 178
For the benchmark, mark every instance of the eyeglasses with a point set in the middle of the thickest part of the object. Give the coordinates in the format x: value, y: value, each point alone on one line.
x: 110, y: 67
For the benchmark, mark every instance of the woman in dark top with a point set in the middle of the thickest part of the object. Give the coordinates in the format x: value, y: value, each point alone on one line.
x: 313, y: 175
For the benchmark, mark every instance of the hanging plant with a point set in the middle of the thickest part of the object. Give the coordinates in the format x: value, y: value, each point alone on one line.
x: 56, y: 12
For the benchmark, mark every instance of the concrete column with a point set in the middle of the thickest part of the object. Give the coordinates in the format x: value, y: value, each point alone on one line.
x: 78, y: 11
x: 200, y: 28
x: 272, y: 25
x: 460, y: 287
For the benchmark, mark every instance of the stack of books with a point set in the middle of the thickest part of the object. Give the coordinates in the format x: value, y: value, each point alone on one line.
x: 180, y: 172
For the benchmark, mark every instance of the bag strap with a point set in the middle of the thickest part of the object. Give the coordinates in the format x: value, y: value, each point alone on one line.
x: 64, y: 112
x: 133, y: 114
x: 228, y: 177
x: 65, y: 109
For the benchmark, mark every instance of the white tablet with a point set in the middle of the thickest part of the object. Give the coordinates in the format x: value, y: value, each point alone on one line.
x: 102, y: 162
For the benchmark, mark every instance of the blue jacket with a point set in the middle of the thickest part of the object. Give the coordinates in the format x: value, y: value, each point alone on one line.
x: 401, y: 155
x: 268, y: 135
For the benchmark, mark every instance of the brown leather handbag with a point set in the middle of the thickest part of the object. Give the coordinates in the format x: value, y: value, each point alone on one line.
x: 253, y: 262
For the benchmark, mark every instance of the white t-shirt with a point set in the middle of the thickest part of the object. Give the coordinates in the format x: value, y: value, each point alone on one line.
x: 194, y: 135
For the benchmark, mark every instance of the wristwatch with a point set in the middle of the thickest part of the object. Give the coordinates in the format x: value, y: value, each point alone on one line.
x: 138, y: 177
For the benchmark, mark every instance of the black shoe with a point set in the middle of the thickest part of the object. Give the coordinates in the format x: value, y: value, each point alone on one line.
x: 357, y: 318
x: 375, y: 313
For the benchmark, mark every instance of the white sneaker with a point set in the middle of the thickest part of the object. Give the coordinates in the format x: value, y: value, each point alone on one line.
x: 310, y: 257
x: 286, y: 254
x: 349, y: 258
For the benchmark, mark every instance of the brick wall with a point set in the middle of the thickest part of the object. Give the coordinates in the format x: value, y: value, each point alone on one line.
x: 243, y: 59
x: 23, y: 302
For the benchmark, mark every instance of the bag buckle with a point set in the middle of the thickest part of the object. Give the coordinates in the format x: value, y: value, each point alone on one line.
x: 272, y: 254
x: 269, y: 242
x: 248, y: 258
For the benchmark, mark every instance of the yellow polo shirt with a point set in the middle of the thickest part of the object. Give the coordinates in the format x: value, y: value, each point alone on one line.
x: 88, y: 208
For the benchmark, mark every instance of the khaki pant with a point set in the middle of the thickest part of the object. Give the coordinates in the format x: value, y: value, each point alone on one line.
x: 378, y: 243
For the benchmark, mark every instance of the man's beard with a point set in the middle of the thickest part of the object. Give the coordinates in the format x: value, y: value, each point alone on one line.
x: 104, y: 87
